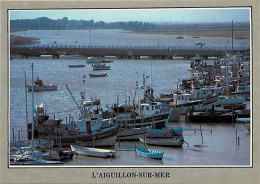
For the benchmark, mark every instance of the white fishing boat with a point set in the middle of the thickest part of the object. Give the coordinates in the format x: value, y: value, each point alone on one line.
x: 39, y: 86
x: 94, y: 152
x: 228, y: 100
x: 91, y: 60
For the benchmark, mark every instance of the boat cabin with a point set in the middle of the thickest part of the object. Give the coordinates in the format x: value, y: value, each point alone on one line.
x: 89, y: 125
x: 148, y: 109
x: 181, y: 98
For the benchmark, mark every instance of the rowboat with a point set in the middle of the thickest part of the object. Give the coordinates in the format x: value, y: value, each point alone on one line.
x: 94, y: 152
x: 98, y: 75
x: 76, y: 66
x: 149, y: 153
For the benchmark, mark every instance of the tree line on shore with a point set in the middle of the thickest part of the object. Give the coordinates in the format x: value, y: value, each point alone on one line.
x: 44, y: 23
x: 64, y: 23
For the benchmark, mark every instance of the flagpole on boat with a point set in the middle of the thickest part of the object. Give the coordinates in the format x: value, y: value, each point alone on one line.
x: 26, y: 110
x: 32, y: 110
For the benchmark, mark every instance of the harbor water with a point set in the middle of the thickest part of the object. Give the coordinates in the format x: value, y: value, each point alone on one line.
x: 219, y: 140
x: 215, y: 145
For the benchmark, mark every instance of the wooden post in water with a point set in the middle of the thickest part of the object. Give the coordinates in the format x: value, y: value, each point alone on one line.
x: 19, y: 136
x: 13, y: 136
x: 135, y: 149
x: 201, y: 135
x: 22, y: 133
x: 119, y: 134
x: 236, y: 136
x: 232, y: 113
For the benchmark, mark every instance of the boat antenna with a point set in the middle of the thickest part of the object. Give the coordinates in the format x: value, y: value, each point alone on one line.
x: 74, y: 99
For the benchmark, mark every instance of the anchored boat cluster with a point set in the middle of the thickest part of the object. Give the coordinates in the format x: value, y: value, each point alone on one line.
x: 215, y: 92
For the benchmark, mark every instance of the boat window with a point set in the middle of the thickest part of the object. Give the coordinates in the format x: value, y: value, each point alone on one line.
x: 147, y: 108
x: 156, y: 107
x: 152, y: 107
x: 179, y: 98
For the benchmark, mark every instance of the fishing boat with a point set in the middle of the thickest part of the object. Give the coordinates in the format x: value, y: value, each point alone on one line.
x: 76, y: 66
x: 98, y: 75
x: 94, y: 152
x: 149, y: 153
x: 211, y: 116
x: 91, y: 60
x: 98, y: 66
x: 39, y: 86
x: 89, y: 130
x: 164, y: 137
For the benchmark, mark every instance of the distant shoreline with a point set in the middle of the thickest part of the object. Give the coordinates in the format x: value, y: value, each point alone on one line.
x: 208, y: 33
x: 18, y: 40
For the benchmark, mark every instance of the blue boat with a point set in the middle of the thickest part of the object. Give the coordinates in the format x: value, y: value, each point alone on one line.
x: 149, y: 153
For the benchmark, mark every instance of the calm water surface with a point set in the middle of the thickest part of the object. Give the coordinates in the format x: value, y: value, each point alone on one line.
x: 219, y: 146
x: 118, y: 37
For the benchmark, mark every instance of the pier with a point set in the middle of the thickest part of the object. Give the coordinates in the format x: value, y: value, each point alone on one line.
x: 123, y: 52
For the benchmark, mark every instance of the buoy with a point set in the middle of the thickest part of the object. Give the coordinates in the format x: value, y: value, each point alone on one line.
x: 84, y: 76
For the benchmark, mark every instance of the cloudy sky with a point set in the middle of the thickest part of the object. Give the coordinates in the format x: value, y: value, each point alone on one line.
x: 152, y: 15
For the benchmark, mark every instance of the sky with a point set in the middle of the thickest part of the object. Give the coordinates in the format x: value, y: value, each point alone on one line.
x: 185, y: 15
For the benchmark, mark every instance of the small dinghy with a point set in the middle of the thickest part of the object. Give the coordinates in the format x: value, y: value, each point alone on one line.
x: 76, y: 66
x: 94, y: 152
x: 98, y: 75
x: 149, y: 153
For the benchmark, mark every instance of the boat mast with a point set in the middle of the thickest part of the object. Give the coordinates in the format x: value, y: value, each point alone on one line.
x: 151, y: 77
x: 32, y: 138
x: 26, y: 110
x: 232, y: 36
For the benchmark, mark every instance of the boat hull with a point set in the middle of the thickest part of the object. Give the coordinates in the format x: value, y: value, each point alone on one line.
x: 148, y: 153
x: 158, y: 121
x: 171, y: 142
x: 94, y: 75
x: 106, y: 137
x: 94, y: 152
x: 42, y: 88
x: 76, y: 66
x: 132, y: 134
